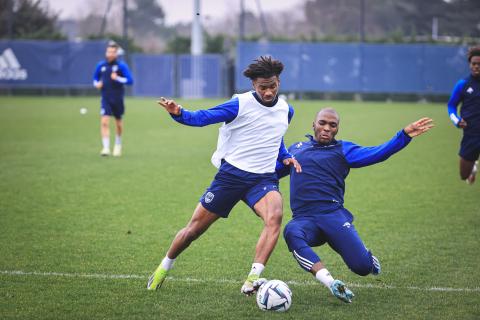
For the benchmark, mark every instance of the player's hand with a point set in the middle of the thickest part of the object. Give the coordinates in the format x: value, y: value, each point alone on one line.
x: 462, y: 124
x: 419, y: 127
x: 99, y: 85
x: 114, y: 76
x: 293, y: 162
x: 171, y: 106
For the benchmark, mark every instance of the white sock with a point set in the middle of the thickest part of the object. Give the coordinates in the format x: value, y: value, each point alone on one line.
x: 118, y: 140
x: 257, y: 269
x: 106, y: 142
x: 324, y: 277
x: 167, y: 263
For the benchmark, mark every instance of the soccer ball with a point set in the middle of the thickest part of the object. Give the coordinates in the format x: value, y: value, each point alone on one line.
x: 274, y: 295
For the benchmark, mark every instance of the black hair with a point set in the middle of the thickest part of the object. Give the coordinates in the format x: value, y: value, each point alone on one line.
x: 473, y: 52
x: 263, y: 67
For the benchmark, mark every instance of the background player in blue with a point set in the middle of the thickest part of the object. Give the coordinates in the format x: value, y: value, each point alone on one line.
x: 316, y: 197
x: 110, y: 76
x: 467, y: 92
x: 249, y: 144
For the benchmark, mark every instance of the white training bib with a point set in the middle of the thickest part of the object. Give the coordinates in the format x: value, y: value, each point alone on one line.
x: 251, y: 141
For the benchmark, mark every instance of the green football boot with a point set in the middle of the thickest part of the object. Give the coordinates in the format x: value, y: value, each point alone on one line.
x: 156, y: 279
x: 252, y: 284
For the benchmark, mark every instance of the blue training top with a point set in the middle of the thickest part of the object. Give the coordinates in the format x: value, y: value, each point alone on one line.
x: 112, y: 89
x: 227, y: 112
x: 320, y: 187
x: 466, y: 91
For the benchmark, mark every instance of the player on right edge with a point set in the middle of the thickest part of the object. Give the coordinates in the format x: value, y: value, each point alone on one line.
x: 467, y: 91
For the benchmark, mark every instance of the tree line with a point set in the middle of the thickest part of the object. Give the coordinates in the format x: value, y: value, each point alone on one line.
x: 314, y: 20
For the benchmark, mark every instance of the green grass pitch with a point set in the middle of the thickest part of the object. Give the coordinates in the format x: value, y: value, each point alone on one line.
x: 79, y: 234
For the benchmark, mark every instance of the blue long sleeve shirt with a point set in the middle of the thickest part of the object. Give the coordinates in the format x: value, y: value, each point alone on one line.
x: 226, y: 112
x: 112, y: 89
x: 320, y: 187
x: 466, y: 92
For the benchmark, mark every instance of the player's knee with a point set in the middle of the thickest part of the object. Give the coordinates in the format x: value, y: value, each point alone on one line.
x: 288, y: 233
x: 362, y: 267
x: 274, y: 218
x: 285, y: 232
x: 293, y: 238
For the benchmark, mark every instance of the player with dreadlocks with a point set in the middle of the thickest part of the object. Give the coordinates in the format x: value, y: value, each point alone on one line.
x: 250, y: 142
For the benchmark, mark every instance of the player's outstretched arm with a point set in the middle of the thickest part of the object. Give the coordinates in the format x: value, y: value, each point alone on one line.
x: 419, y: 127
x: 225, y: 112
x: 170, y: 106
x: 358, y: 156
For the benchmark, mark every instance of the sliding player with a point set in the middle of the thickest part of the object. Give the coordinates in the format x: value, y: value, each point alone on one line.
x: 316, y: 197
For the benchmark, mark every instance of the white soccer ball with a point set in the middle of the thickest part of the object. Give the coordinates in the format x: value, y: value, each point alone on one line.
x: 274, y: 295
x: 83, y: 110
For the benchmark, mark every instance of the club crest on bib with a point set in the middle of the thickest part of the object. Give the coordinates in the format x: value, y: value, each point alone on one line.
x: 209, y: 197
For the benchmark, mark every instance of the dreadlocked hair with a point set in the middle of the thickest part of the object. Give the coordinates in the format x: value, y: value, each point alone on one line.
x: 263, y: 67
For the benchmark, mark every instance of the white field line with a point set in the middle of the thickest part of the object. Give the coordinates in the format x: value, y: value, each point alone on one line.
x: 229, y: 281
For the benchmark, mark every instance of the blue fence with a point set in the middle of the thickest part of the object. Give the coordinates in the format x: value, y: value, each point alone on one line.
x: 153, y: 75
x: 200, y: 76
x: 365, y: 68
x: 49, y: 64
x: 63, y: 64
x: 309, y: 67
x: 184, y: 75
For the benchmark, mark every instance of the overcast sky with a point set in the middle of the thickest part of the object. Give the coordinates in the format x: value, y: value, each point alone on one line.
x: 181, y: 10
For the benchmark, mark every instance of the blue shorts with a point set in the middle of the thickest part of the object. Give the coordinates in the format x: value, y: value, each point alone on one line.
x: 317, y: 230
x: 112, y: 107
x: 231, y: 185
x: 335, y: 228
x: 470, y: 147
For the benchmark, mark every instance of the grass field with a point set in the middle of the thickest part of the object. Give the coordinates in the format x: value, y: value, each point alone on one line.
x: 79, y: 234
